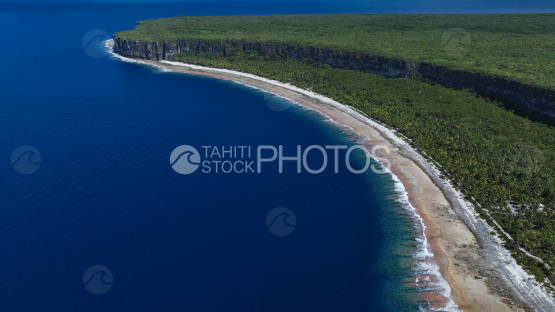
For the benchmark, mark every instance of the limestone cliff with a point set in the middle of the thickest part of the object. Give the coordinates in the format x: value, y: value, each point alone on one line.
x: 532, y: 98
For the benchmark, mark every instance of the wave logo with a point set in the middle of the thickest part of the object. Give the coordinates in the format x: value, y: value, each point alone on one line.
x: 98, y: 279
x: 276, y: 103
x: 91, y: 43
x: 185, y: 159
x: 26, y: 159
x: 281, y: 221
x: 456, y: 41
x: 528, y: 159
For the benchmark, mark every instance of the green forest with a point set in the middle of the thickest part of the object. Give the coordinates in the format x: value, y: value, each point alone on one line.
x: 519, y: 47
x: 502, y: 159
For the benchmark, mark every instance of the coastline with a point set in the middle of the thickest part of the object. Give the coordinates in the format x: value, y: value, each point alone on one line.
x: 481, y: 275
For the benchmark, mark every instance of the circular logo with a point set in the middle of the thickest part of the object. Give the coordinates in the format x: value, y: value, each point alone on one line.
x: 281, y: 221
x: 92, y: 43
x: 275, y: 102
x: 528, y: 159
x: 26, y: 159
x: 455, y: 41
x: 98, y: 279
x: 185, y: 159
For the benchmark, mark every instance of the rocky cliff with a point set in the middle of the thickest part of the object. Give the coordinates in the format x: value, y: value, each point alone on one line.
x: 532, y: 98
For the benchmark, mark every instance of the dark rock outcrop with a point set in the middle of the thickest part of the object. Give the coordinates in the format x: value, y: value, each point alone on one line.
x: 532, y: 98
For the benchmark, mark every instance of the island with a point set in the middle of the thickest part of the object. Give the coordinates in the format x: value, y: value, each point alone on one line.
x: 465, y: 103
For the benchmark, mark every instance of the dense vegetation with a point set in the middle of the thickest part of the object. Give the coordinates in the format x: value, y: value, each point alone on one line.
x: 493, y: 155
x: 520, y: 47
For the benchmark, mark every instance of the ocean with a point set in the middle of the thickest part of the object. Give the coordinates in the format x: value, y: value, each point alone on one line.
x: 94, y: 217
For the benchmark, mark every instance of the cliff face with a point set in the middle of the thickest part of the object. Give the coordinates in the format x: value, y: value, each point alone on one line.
x: 534, y: 99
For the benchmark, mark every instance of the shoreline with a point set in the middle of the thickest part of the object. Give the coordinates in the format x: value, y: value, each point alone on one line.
x: 480, y: 274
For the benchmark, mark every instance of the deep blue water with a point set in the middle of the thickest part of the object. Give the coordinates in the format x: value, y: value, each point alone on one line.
x: 105, y: 193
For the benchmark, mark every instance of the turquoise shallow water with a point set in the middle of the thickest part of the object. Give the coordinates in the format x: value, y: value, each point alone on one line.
x: 104, y: 192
